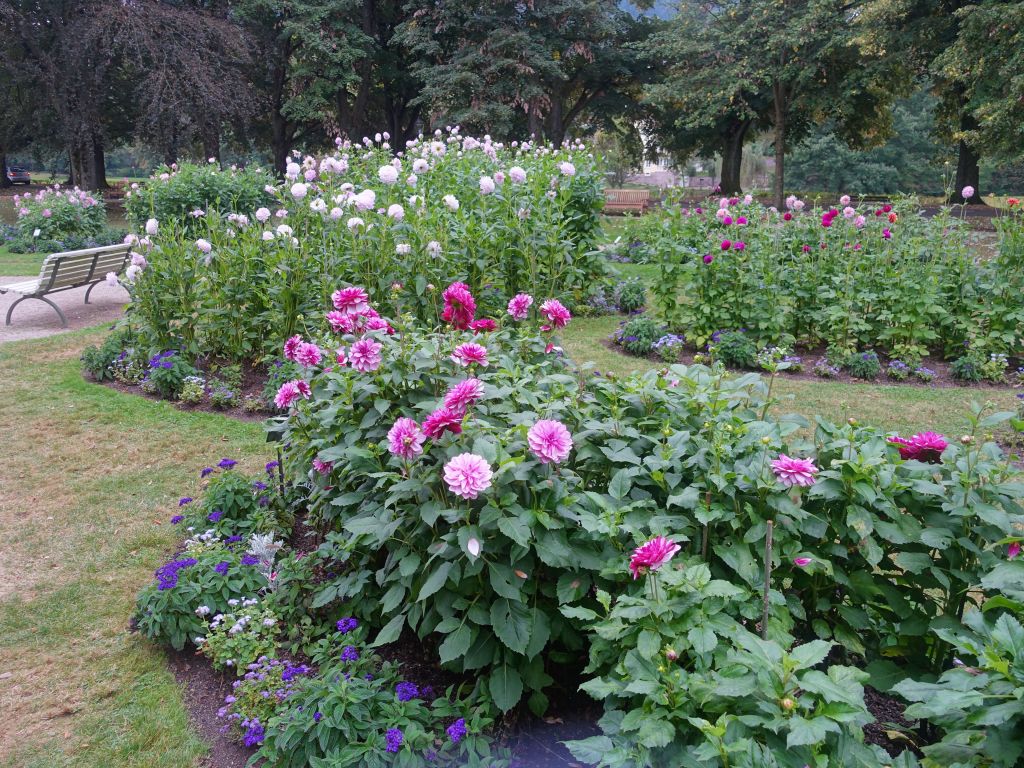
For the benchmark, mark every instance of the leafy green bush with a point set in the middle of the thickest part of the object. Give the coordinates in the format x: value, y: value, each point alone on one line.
x: 966, y: 368
x: 175, y: 193
x: 638, y: 334
x: 630, y: 295
x: 193, y: 585
x: 99, y: 362
x: 864, y: 365
x: 193, y: 390
x: 168, y: 371
x: 235, y: 504
x: 735, y: 349
x: 240, y: 636
x: 55, y: 215
x: 669, y: 347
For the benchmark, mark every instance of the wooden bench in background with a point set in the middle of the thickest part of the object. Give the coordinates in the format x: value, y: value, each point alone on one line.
x: 626, y: 200
x: 72, y: 269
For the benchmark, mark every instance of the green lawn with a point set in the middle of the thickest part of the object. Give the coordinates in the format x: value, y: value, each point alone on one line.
x: 88, y: 480
x: 19, y: 263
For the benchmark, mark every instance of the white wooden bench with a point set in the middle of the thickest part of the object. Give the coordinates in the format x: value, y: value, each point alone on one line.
x: 72, y: 269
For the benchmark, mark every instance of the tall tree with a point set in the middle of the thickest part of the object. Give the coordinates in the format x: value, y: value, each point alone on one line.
x: 512, y: 67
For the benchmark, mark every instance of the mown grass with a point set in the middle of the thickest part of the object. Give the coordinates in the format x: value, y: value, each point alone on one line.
x: 19, y: 263
x: 88, y: 480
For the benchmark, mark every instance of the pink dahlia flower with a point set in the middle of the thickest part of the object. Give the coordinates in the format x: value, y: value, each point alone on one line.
x: 459, y: 306
x: 291, y: 391
x: 652, y: 555
x: 924, y: 446
x: 323, y: 467
x: 550, y: 441
x: 794, y: 471
x: 365, y: 355
x: 308, y: 355
x: 1013, y: 550
x: 442, y: 420
x: 468, y: 475
x: 470, y: 354
x: 406, y: 439
x: 802, y: 562
x: 483, y: 324
x: 291, y: 346
x: 557, y: 315
x: 519, y: 306
x: 351, y: 301
x: 341, y: 322
x: 464, y: 394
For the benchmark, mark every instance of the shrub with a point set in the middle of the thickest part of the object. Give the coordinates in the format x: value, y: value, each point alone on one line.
x: 167, y: 373
x: 99, y: 362
x: 239, y: 637
x: 223, y: 398
x: 630, y: 295
x: 966, y: 368
x: 193, y: 390
x: 355, y: 710
x: 53, y: 214
x: 923, y: 374
x: 235, y: 504
x: 733, y: 348
x: 638, y: 334
x: 825, y: 368
x: 864, y: 365
x: 193, y: 585
x: 175, y: 194
x: 897, y: 370
x: 669, y: 347
x: 994, y: 368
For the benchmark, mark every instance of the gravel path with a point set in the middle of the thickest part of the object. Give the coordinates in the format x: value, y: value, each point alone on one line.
x: 33, y: 319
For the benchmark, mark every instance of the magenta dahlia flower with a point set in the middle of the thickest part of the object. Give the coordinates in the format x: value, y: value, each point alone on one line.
x: 550, y: 441
x: 483, y: 324
x: 468, y: 475
x: 341, y: 322
x: 365, y: 355
x: 308, y: 354
x: 406, y: 439
x: 792, y: 471
x: 652, y: 555
x: 459, y: 306
x: 557, y: 315
x: 442, y: 420
x: 1013, y: 550
x: 323, y: 467
x: 291, y: 391
x: 351, y: 301
x: 519, y: 306
x: 464, y: 394
x: 924, y: 446
x: 802, y: 562
x: 470, y: 354
x: 291, y: 346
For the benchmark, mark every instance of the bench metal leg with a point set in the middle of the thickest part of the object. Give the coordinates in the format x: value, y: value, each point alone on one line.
x: 60, y: 312
x: 90, y: 290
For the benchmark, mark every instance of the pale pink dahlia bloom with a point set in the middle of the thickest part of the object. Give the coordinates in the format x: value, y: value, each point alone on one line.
x: 550, y: 441
x: 519, y: 306
x: 351, y: 301
x: 442, y: 420
x: 291, y: 391
x: 406, y: 439
x: 557, y: 315
x: 308, y: 354
x: 652, y: 555
x: 470, y: 354
x: 467, y: 475
x: 792, y: 471
x: 365, y: 355
x: 924, y: 446
x: 464, y: 394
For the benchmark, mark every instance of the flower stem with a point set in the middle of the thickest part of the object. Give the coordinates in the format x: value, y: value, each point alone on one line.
x: 767, y: 578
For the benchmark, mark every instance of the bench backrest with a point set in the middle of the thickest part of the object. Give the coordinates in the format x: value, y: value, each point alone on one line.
x: 627, y: 196
x: 72, y: 268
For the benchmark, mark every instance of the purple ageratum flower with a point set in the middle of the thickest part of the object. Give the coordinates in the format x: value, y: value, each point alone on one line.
x: 271, y: 466
x: 254, y: 733
x: 250, y: 560
x: 407, y: 691
x: 167, y: 574
x: 215, y: 516
x: 347, y: 624
x: 457, y: 730
x: 222, y: 567
x: 292, y: 671
x: 177, y: 519
x: 394, y: 739
x: 206, y: 472
x: 349, y: 653
x: 184, y: 500
x: 226, y: 463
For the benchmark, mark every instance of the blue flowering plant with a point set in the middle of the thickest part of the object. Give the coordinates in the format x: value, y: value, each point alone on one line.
x: 238, y: 504
x: 197, y: 584
x: 167, y: 373
x: 242, y: 635
x: 353, y: 709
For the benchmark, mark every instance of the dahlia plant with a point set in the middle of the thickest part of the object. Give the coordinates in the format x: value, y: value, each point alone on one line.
x: 54, y: 214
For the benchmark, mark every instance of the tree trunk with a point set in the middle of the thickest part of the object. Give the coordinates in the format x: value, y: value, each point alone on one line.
x: 279, y: 141
x: 87, y: 163
x: 732, y: 157
x: 556, y: 126
x: 778, y: 188
x: 99, y: 165
x: 534, y: 122
x: 968, y: 172
x: 4, y: 181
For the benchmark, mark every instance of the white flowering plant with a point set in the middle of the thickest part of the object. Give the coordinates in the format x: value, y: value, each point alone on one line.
x: 239, y: 637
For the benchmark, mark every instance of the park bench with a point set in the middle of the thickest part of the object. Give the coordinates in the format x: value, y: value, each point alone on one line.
x: 626, y: 200
x: 72, y: 269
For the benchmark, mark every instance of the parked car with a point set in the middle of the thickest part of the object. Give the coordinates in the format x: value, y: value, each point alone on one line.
x: 18, y: 175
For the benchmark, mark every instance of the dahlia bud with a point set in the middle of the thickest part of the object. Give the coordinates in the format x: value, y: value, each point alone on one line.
x: 852, y: 421
x: 430, y: 287
x: 787, y: 703
x: 670, y: 654
x: 966, y: 440
x: 766, y: 440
